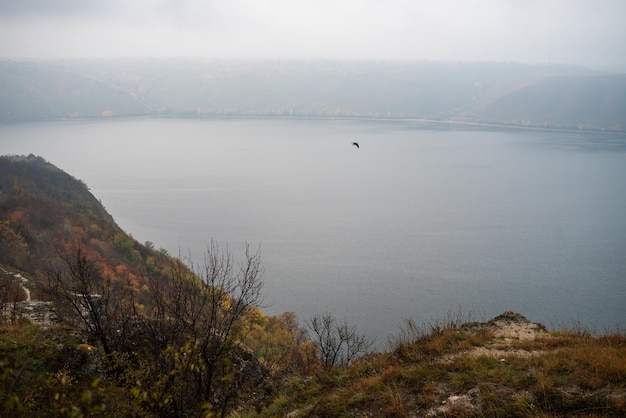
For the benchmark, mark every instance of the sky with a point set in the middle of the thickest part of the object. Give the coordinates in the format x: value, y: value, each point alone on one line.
x: 587, y: 32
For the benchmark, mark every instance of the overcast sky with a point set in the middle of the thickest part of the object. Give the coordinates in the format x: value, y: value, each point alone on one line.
x: 590, y: 32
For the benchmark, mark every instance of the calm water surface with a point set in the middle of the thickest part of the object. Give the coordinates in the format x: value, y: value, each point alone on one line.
x: 420, y: 221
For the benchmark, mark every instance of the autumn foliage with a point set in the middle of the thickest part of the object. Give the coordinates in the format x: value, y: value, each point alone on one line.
x: 151, y: 335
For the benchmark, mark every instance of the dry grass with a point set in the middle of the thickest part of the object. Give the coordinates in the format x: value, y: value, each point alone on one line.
x: 505, y: 367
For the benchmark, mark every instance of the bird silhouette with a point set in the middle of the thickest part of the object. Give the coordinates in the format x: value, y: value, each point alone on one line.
x: 356, y: 144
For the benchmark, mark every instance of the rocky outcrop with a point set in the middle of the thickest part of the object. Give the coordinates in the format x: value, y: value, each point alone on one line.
x: 35, y: 311
x: 22, y: 307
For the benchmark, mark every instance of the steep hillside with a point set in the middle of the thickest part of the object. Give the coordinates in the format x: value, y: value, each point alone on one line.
x: 505, y: 93
x: 32, y: 91
x: 585, y: 102
x: 43, y: 209
x: 33, y: 178
x: 93, y: 323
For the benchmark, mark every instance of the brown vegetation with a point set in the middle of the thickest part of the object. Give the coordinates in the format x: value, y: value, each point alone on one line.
x: 505, y: 367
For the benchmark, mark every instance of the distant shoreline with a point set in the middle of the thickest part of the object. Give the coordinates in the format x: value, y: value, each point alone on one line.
x: 439, y: 122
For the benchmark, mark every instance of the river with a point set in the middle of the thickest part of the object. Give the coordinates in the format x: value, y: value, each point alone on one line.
x: 421, y: 220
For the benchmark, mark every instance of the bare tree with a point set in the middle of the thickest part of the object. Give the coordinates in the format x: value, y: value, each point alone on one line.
x: 188, y: 343
x: 86, y: 299
x: 10, y: 294
x: 205, y: 307
x: 338, y: 343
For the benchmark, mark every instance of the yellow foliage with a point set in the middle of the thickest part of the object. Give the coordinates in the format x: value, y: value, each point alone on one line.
x: 86, y: 347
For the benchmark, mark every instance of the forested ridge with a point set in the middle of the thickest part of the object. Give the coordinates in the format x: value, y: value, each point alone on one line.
x: 94, y: 323
x: 540, y: 96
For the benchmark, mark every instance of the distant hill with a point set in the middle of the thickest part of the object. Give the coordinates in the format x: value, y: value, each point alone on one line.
x: 585, y: 102
x: 503, y: 93
x: 32, y: 91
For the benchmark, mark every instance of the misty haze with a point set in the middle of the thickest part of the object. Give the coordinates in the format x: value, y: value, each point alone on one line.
x: 401, y: 167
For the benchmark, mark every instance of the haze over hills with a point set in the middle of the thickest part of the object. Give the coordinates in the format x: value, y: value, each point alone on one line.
x: 550, y: 96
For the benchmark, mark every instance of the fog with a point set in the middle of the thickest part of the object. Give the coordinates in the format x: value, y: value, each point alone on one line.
x: 586, y: 32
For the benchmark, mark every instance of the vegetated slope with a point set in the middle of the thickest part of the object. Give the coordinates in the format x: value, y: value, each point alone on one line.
x: 586, y: 102
x: 42, y: 209
x: 32, y: 177
x: 506, y: 367
x: 448, y: 91
x: 34, y: 91
x: 142, y: 334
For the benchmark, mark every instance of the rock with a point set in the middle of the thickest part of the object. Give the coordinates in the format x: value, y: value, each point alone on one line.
x: 510, y: 317
x: 36, y: 311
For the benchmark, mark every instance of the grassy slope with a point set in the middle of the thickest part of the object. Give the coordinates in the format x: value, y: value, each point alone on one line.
x: 505, y: 367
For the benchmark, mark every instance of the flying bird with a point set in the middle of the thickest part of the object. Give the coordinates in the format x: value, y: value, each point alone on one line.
x: 356, y: 144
